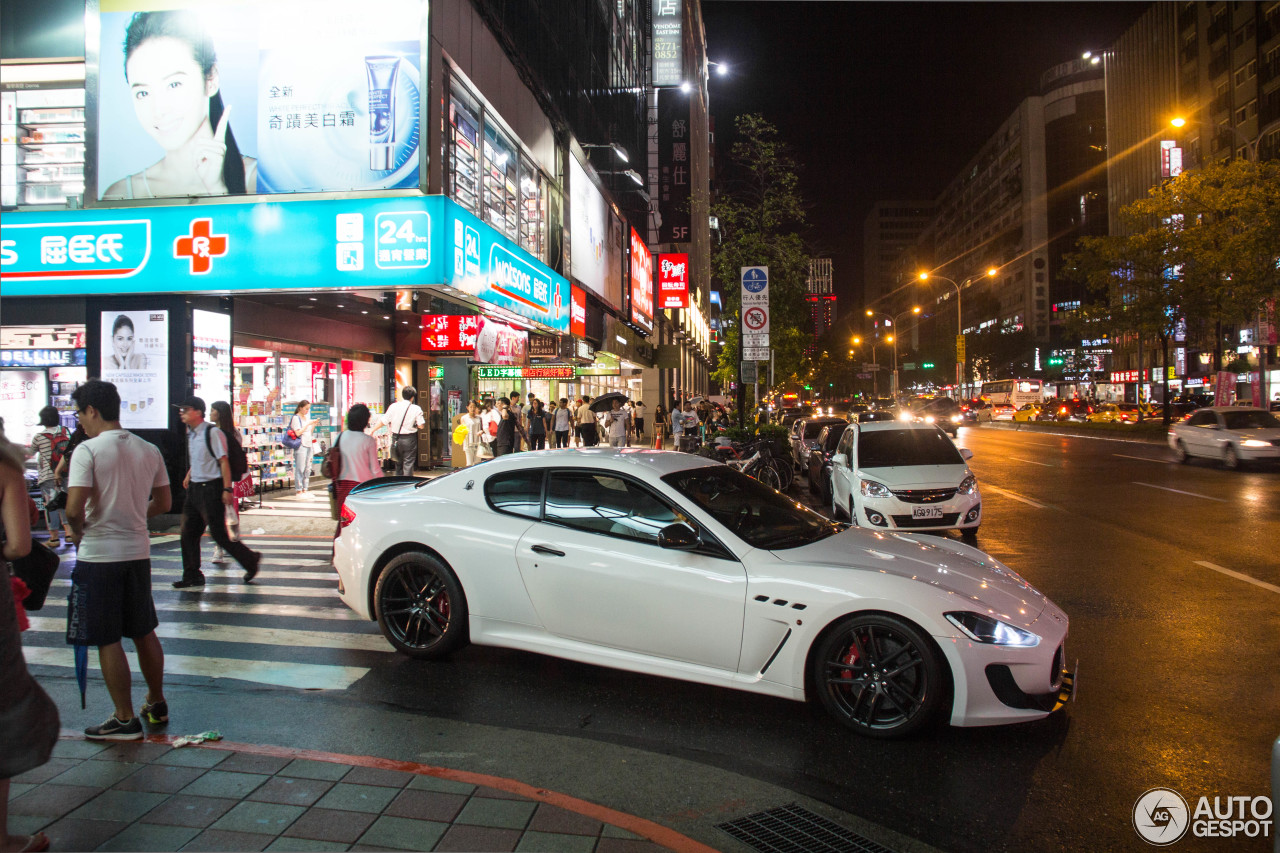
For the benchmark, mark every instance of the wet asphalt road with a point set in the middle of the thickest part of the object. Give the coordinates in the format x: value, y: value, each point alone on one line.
x: 1177, y: 686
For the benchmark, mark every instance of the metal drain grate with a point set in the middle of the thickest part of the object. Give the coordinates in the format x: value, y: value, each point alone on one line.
x: 792, y: 829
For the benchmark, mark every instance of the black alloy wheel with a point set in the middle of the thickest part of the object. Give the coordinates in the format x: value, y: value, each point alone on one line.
x: 421, y: 607
x: 878, y: 675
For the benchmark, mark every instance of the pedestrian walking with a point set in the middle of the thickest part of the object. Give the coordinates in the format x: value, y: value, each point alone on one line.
x: 539, y: 425
x: 117, y: 482
x: 28, y: 717
x: 359, y: 452
x: 304, y: 430
x: 504, y: 441
x: 220, y: 417
x: 210, y: 491
x: 404, y: 418
x: 661, y: 424
x: 638, y: 420
x: 588, y: 434
x: 517, y: 411
x: 618, y: 423
x: 562, y: 422
x: 50, y: 445
x: 477, y: 430
x: 489, y: 415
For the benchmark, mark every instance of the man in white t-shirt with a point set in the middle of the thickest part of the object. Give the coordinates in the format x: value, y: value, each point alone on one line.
x: 404, y: 418
x: 618, y: 422
x: 117, y: 481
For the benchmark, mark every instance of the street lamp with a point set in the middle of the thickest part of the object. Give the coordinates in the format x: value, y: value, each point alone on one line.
x: 875, y: 374
x: 925, y: 276
x: 893, y: 321
x: 1250, y: 146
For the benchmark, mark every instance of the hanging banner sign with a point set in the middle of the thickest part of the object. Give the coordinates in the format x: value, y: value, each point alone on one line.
x: 577, y: 311
x: 675, y: 185
x: 449, y: 332
x: 673, y: 280
x: 544, y: 346
x: 42, y: 358
x: 641, y: 284
x: 498, y: 343
x: 546, y: 371
x: 668, y: 43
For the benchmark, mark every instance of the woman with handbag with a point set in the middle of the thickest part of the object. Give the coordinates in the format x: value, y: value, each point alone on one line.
x: 359, y: 454
x: 52, y: 434
x: 28, y: 717
x: 301, y: 429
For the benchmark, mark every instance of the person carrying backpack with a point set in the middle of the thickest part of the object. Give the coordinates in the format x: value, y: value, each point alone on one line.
x: 220, y: 415
x: 50, y: 446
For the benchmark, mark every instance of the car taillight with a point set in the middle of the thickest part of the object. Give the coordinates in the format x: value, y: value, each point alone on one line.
x: 346, y: 516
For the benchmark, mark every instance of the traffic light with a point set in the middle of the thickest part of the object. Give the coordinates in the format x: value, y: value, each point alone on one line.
x: 1054, y: 361
x: 928, y: 365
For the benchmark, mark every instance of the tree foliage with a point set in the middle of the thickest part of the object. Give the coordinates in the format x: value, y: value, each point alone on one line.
x: 761, y: 215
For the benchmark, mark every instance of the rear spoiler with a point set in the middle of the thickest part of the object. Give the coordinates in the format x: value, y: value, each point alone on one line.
x: 379, y: 482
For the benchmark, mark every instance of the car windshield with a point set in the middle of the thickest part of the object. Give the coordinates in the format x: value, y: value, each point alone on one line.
x: 1250, y: 420
x: 891, y: 448
x: 812, y: 428
x: 754, y: 513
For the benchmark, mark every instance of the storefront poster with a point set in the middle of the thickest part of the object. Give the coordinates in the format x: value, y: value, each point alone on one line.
x: 498, y: 343
x: 577, y: 312
x: 595, y: 251
x: 23, y: 393
x: 641, y: 284
x: 135, y: 358
x: 211, y: 355
x: 275, y: 246
x: 316, y: 95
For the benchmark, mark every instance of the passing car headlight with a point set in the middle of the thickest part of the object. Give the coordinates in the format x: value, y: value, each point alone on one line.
x: 955, y: 419
x: 872, y: 489
x: 929, y: 419
x: 968, y: 485
x: 984, y: 629
x: 1253, y: 442
x: 905, y: 416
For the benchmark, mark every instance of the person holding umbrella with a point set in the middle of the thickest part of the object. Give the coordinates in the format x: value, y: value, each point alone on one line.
x: 618, y: 422
x: 117, y: 482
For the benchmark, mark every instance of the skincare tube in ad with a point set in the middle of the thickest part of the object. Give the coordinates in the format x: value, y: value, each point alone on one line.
x: 382, y: 71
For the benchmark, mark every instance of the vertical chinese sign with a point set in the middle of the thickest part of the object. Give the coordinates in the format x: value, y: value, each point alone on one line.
x: 668, y: 43
x: 674, y: 173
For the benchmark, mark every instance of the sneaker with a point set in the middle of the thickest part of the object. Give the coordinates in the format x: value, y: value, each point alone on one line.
x: 184, y: 583
x: 156, y: 714
x: 251, y: 571
x: 114, y: 729
x: 219, y: 556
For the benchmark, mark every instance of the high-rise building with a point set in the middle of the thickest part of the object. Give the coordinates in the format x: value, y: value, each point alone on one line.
x: 819, y: 296
x: 891, y: 227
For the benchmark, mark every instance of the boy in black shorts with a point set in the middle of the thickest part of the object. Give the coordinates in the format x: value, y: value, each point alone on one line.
x: 117, y: 482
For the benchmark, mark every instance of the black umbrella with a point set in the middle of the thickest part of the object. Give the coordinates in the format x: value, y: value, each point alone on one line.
x: 604, y: 402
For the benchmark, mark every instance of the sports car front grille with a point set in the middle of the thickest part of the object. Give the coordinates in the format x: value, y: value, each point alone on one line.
x: 924, y: 496
x: 948, y: 520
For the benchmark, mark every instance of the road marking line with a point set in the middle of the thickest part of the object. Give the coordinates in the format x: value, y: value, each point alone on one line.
x: 304, y: 676
x: 1181, y: 492
x: 1032, y: 462
x: 1141, y: 458
x: 1239, y: 576
x: 300, y: 611
x: 175, y: 570
x: 215, y: 633
x: 1009, y: 494
x: 245, y: 589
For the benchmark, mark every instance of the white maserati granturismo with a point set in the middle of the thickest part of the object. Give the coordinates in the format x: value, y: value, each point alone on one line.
x: 674, y: 565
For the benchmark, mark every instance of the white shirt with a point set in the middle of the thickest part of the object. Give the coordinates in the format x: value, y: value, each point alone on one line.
x: 617, y: 422
x: 406, y: 413
x: 121, y: 469
x: 477, y: 430
x: 563, y: 419
x: 359, y: 456
x: 203, y: 466
x: 304, y: 428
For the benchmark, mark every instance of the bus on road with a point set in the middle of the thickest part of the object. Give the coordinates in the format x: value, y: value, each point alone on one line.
x: 1013, y: 392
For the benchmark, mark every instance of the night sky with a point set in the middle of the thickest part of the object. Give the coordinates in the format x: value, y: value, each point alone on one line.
x: 887, y: 100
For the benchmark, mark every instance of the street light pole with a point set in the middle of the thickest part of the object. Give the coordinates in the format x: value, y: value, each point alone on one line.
x: 925, y: 276
x: 893, y: 323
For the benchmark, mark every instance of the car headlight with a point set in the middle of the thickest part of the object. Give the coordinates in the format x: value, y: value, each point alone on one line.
x: 929, y: 419
x: 1253, y: 442
x: 984, y: 629
x: 905, y: 416
x: 968, y: 485
x: 872, y: 489
x: 955, y: 419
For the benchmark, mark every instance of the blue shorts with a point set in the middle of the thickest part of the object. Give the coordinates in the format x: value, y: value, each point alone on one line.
x: 110, y: 601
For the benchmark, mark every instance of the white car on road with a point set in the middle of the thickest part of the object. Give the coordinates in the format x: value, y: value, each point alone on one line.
x: 1230, y: 434
x: 673, y: 565
x: 904, y: 476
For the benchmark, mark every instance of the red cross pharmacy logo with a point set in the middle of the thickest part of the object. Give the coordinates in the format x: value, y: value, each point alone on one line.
x: 201, y: 246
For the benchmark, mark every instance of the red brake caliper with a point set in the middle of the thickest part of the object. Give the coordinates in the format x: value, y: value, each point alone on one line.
x: 850, y: 658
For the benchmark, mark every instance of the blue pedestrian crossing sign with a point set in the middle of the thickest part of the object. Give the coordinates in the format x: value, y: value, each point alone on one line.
x: 755, y: 279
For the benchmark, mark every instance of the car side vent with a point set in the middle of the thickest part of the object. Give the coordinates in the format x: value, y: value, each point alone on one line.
x: 780, y: 602
x: 798, y: 606
x: 762, y: 598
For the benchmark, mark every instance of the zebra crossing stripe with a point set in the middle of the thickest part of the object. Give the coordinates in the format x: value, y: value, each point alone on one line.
x: 246, y: 589
x: 304, y: 676
x: 215, y: 633
x: 170, y: 567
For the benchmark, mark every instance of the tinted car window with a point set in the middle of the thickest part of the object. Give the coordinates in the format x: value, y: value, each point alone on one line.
x: 755, y: 513
x: 831, y: 437
x: 1250, y: 420
x: 603, y: 503
x: 812, y: 428
x: 1200, y: 419
x: 518, y: 493
x: 896, y: 447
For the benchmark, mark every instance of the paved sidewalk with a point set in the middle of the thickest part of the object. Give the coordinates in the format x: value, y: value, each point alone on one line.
x: 147, y: 795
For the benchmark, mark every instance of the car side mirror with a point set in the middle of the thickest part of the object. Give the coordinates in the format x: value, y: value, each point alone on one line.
x: 679, y: 537
x: 966, y: 454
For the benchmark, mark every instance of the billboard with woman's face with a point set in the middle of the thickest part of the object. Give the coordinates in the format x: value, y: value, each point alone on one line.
x: 135, y: 347
x: 275, y: 96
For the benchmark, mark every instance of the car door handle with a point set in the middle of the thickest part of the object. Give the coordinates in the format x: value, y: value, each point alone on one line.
x: 550, y: 552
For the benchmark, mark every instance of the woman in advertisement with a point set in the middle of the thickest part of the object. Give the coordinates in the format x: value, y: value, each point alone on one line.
x: 122, y: 355
x: 172, y: 71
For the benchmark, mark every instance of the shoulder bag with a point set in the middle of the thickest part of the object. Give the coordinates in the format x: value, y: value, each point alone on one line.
x: 332, y: 465
x: 36, y: 570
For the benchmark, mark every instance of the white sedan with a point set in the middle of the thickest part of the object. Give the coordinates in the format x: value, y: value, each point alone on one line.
x: 904, y: 476
x: 1231, y: 434
x: 673, y: 565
